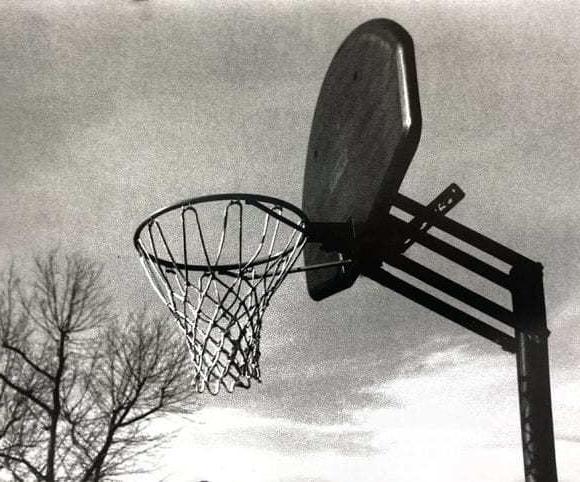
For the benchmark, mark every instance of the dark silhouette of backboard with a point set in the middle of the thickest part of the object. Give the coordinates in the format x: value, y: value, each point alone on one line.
x: 365, y: 131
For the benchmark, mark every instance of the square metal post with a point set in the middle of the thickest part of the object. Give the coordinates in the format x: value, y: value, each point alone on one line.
x: 533, y: 373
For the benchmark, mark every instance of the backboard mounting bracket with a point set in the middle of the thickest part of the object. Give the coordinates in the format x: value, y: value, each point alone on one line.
x: 440, y: 206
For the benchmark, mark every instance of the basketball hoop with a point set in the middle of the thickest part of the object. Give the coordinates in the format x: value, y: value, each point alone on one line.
x: 216, y: 261
x: 217, y: 277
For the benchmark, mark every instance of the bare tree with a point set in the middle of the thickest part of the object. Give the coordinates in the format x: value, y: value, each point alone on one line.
x: 78, y: 384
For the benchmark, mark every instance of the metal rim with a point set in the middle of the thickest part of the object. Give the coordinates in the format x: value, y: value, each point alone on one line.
x: 257, y: 198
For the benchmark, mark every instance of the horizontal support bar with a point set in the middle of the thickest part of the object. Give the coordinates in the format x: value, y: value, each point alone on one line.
x: 461, y: 232
x: 450, y: 252
x: 452, y: 288
x: 450, y: 312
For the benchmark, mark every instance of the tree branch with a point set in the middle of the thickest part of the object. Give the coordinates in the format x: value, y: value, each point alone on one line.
x: 145, y: 414
x: 22, y: 460
x: 25, y: 393
x: 27, y: 360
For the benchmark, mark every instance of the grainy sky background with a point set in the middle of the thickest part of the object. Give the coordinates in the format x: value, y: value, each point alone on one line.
x: 111, y: 109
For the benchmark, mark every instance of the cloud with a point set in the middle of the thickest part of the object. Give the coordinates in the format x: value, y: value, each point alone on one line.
x: 246, y: 429
x: 451, y: 391
x: 457, y: 419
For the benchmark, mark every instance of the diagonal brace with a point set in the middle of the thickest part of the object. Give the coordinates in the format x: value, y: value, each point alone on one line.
x: 437, y: 208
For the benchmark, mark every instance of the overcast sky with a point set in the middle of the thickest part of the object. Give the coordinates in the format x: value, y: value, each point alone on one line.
x: 112, y: 109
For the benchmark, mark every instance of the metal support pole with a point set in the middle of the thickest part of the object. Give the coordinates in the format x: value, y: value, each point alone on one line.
x: 533, y: 373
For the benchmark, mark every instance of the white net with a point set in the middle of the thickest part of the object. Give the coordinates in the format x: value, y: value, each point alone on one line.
x: 216, y: 263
